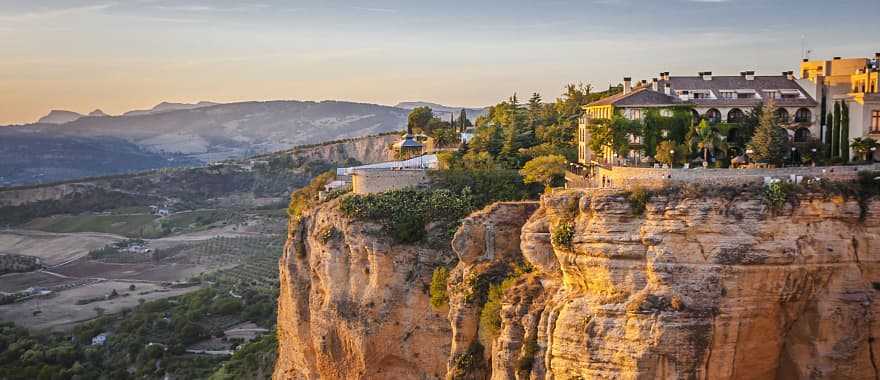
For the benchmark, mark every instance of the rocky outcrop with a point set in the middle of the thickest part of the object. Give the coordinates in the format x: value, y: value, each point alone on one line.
x: 353, y: 305
x: 488, y: 249
x: 690, y: 286
x: 366, y: 150
x: 709, y: 287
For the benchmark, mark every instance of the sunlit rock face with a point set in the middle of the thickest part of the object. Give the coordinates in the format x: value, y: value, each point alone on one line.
x: 704, y: 287
x: 695, y: 286
x: 352, y: 305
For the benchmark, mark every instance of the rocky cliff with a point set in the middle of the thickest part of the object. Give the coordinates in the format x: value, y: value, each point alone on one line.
x: 597, y: 284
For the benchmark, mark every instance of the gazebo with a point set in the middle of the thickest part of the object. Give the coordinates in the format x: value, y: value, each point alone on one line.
x: 408, y: 146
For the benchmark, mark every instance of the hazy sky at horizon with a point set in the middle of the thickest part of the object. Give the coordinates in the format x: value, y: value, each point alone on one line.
x: 132, y: 54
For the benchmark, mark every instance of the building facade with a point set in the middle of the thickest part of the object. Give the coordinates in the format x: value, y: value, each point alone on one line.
x: 717, y: 99
x: 854, y: 81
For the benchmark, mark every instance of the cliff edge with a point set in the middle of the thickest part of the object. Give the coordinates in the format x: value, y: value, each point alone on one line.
x: 596, y: 284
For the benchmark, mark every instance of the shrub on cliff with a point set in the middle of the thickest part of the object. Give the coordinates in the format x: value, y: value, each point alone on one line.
x: 304, y: 198
x: 404, y: 213
x: 563, y: 234
x: 486, y: 185
x: 638, y: 200
x: 776, y: 194
x: 439, y: 278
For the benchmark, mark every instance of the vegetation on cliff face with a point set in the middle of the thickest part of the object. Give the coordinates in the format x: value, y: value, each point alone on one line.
x: 405, y: 213
x: 439, y: 296
x: 563, y: 234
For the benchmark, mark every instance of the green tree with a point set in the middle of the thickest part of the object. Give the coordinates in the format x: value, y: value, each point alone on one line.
x: 844, y: 131
x: 829, y: 136
x: 463, y: 121
x: 546, y: 170
x: 862, y: 146
x: 835, y: 137
x: 669, y: 153
x: 419, y: 118
x: 770, y: 142
x: 708, y: 139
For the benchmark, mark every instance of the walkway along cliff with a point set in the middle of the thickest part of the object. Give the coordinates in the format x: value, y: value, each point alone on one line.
x: 682, y: 283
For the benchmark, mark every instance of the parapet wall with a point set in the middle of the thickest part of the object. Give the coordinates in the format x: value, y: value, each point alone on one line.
x: 628, y: 177
x: 377, y: 181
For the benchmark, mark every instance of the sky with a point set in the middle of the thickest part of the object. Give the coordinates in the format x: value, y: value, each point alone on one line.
x: 119, y: 55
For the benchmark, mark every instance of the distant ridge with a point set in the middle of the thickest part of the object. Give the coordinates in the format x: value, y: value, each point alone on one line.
x: 59, y: 117
x: 169, y: 106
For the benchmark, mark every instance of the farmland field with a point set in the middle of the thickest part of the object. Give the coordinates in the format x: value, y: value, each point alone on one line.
x: 130, y: 225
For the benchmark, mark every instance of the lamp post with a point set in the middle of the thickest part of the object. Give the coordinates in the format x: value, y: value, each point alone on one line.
x: 873, y: 152
x: 793, y: 150
x: 749, y: 154
x: 813, y: 157
x: 671, y: 157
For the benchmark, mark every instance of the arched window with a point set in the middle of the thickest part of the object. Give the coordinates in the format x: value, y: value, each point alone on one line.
x: 735, y: 115
x: 801, y: 135
x: 713, y: 116
x: 803, y: 115
x: 781, y: 115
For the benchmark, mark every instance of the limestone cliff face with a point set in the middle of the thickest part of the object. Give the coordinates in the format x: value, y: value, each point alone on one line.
x: 355, y: 306
x: 708, y: 287
x: 697, y: 286
x: 367, y: 150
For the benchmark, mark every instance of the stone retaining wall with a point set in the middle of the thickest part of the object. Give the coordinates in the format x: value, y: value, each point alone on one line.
x: 628, y: 177
x: 378, y: 181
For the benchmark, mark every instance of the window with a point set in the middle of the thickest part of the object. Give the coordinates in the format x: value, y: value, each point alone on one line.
x: 803, y: 115
x: 782, y: 115
x: 875, y: 121
x: 713, y: 116
x: 771, y: 94
x: 735, y: 115
x: 728, y: 94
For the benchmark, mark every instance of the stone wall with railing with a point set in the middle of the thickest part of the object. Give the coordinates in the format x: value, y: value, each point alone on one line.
x: 653, y: 178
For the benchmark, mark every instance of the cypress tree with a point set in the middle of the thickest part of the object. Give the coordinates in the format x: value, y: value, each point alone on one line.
x: 770, y: 142
x: 844, y: 131
x: 835, y: 134
x: 828, y: 136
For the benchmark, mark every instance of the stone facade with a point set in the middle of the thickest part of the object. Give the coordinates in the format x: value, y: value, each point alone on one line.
x: 653, y: 178
x: 378, y: 181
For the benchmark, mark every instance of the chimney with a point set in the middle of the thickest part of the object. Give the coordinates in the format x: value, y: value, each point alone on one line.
x: 788, y: 75
x: 805, y: 60
x: 749, y: 75
x: 627, y: 85
x: 706, y: 75
x: 836, y: 58
x: 668, y: 89
x: 654, y: 85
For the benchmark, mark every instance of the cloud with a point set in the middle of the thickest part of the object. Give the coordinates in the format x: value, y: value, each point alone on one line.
x: 210, y: 8
x: 45, y: 14
x: 377, y: 10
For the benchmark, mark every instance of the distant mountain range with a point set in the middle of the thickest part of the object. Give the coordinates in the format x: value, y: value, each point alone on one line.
x: 65, y: 145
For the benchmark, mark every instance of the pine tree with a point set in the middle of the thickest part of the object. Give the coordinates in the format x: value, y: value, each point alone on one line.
x: 844, y: 132
x: 828, y: 135
x: 770, y: 142
x: 462, y: 120
x: 835, y: 134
